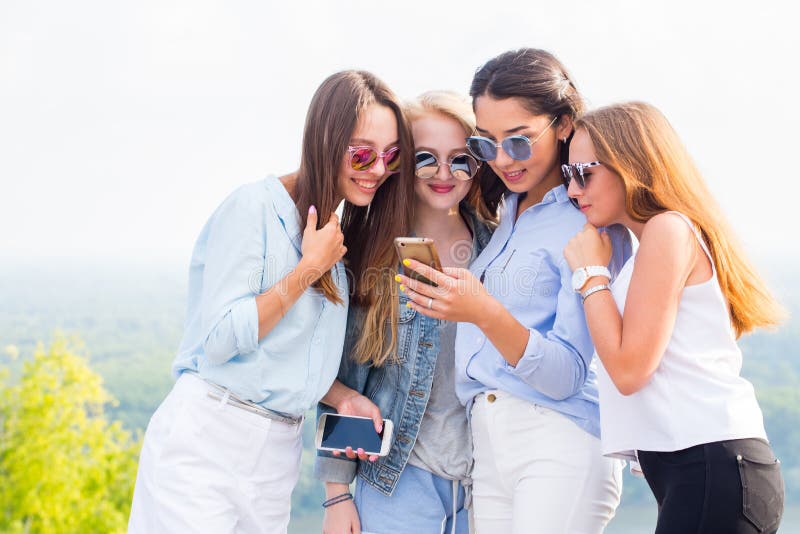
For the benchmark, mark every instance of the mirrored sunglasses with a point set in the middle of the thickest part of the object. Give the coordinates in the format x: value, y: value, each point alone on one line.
x: 364, y: 158
x: 518, y: 147
x: 575, y: 171
x: 462, y: 166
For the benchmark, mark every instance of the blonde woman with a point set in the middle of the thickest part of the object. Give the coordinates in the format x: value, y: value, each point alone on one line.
x: 665, y: 329
x: 420, y: 486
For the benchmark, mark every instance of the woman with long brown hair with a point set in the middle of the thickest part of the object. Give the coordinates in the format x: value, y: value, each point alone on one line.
x: 665, y: 329
x: 267, y: 307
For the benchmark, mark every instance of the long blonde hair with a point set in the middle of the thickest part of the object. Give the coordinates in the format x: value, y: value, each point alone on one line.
x: 635, y: 141
x: 457, y: 107
x: 375, y: 349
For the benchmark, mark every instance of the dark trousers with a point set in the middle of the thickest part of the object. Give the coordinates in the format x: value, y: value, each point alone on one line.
x: 725, y: 487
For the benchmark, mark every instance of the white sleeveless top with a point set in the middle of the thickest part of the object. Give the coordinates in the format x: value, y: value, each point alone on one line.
x: 696, y: 394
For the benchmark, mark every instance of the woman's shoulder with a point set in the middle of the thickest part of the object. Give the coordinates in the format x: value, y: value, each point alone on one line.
x: 669, y: 226
x: 247, y: 200
x: 668, y: 237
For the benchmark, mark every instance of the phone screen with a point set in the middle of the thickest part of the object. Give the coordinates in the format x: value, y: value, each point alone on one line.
x: 340, y: 432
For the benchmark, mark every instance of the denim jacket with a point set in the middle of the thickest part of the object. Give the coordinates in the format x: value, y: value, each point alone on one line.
x: 400, y: 387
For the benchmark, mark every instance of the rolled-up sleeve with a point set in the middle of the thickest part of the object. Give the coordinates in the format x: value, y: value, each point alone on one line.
x: 234, y: 262
x: 556, y: 362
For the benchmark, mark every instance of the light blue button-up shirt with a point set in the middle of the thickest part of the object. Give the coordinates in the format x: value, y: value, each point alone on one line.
x: 523, y: 266
x: 250, y: 243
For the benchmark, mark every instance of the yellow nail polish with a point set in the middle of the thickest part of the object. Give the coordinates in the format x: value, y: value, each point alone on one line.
x: 408, y: 304
x: 402, y: 287
x: 406, y: 262
x: 397, y: 278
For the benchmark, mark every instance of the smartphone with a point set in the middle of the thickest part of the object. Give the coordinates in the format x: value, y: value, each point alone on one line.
x: 420, y: 249
x: 336, y: 432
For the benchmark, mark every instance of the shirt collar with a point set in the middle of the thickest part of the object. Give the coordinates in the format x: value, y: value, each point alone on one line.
x: 557, y: 195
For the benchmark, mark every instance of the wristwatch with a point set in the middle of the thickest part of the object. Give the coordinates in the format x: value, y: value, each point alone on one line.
x: 582, y: 274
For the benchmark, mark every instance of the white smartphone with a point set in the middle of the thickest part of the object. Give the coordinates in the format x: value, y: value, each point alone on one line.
x: 336, y: 432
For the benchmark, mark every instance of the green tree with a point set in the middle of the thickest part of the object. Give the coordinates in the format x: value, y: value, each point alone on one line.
x: 64, y: 468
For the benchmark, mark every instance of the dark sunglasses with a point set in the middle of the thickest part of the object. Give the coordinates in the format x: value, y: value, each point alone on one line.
x: 462, y: 166
x: 364, y: 158
x: 518, y: 147
x: 574, y: 171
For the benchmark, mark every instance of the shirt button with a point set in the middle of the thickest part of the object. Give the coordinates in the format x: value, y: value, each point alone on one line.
x: 491, y: 397
x: 478, y: 339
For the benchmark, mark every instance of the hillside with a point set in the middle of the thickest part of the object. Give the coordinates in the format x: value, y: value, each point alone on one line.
x: 130, y: 319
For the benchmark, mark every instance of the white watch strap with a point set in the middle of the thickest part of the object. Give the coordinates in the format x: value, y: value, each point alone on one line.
x: 593, y: 289
x: 597, y: 270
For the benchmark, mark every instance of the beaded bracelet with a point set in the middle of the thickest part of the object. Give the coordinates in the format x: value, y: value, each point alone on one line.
x: 336, y: 500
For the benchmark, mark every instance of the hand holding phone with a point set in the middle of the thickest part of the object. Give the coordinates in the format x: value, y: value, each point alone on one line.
x: 421, y: 249
x: 337, y: 432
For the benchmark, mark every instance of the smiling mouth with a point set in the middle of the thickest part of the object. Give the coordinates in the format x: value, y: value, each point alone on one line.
x: 369, y: 185
x: 513, y: 176
x: 441, y: 188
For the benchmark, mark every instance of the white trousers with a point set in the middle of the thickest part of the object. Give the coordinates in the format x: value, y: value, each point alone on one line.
x: 209, y: 467
x: 538, y: 472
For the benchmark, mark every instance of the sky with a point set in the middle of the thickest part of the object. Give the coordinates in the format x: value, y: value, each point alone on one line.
x: 124, y: 124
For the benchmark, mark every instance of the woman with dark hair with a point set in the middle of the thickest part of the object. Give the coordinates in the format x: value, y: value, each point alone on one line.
x: 523, y: 351
x: 665, y: 329
x: 267, y: 307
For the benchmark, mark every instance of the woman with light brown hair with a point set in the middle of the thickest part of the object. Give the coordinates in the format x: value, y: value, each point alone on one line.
x: 267, y: 308
x: 665, y: 328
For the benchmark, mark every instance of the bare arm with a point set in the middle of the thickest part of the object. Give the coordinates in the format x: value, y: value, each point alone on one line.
x: 341, y: 518
x: 631, y: 346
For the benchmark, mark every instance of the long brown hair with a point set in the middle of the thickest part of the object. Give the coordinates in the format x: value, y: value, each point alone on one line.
x: 542, y: 85
x: 635, y: 141
x: 369, y: 231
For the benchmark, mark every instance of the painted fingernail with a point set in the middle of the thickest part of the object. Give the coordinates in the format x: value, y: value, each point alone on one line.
x: 312, y: 209
x: 408, y: 304
x: 406, y: 262
x: 402, y: 287
x: 397, y: 278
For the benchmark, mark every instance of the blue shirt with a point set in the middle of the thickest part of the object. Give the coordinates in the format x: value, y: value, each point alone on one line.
x: 523, y: 266
x: 250, y: 243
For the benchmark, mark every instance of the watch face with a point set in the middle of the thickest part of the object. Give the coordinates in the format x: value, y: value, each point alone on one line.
x: 579, y: 278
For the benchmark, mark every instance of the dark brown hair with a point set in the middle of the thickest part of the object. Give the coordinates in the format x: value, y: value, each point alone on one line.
x: 369, y: 231
x: 542, y: 85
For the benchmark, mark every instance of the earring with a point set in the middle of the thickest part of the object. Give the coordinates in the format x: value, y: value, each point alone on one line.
x: 565, y: 140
